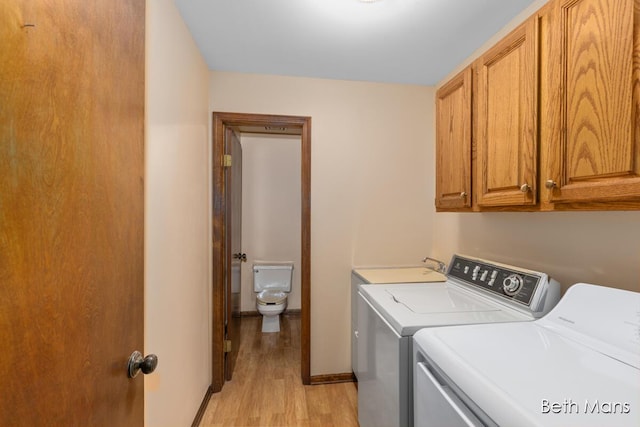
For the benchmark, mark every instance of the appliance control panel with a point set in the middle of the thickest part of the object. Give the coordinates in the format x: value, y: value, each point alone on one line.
x: 509, y: 282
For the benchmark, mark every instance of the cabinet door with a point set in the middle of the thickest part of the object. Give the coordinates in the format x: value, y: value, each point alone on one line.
x: 507, y: 120
x: 591, y: 101
x: 453, y: 143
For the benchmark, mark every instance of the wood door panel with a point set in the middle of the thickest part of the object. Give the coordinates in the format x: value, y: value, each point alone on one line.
x: 595, y: 154
x: 71, y: 212
x: 453, y: 143
x: 507, y: 120
x: 598, y: 125
x: 503, y: 94
x: 233, y: 188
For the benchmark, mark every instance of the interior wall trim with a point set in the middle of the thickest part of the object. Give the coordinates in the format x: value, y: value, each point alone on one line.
x: 302, y: 126
x: 203, y: 407
x: 346, y: 377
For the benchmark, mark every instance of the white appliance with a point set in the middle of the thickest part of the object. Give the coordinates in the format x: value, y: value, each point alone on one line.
x: 384, y: 275
x: 577, y: 366
x: 476, y: 291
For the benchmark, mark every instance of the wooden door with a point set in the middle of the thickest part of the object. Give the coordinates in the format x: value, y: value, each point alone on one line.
x: 233, y: 250
x: 507, y: 120
x: 591, y: 101
x: 453, y: 143
x: 71, y: 212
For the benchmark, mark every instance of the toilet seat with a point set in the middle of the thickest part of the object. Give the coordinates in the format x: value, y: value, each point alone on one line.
x: 271, y: 297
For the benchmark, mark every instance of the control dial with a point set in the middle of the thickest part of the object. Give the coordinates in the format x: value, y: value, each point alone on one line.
x: 512, y: 284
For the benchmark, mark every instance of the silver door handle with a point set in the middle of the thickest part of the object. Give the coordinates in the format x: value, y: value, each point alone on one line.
x: 137, y: 363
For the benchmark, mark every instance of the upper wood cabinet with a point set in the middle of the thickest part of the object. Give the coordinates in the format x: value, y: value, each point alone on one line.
x: 555, y: 109
x: 506, y: 120
x: 590, y: 101
x: 453, y: 143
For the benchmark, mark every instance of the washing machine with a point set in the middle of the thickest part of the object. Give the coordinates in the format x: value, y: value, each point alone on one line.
x: 476, y: 291
x: 432, y: 271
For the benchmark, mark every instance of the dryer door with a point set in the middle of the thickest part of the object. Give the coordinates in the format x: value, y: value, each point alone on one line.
x: 437, y: 405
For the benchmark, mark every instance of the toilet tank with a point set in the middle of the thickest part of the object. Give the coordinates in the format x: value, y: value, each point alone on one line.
x: 275, y: 276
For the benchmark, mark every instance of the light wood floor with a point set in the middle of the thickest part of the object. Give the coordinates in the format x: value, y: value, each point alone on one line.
x: 266, y: 389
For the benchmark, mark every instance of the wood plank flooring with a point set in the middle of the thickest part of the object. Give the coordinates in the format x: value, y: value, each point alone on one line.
x: 266, y: 389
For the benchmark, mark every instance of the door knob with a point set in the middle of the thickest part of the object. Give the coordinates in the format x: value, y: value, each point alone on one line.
x: 525, y: 188
x: 242, y: 257
x: 137, y: 363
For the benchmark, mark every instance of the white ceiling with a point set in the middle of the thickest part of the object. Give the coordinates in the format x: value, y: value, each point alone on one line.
x: 394, y: 41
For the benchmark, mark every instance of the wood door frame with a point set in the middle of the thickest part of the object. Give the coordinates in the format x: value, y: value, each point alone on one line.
x: 222, y: 120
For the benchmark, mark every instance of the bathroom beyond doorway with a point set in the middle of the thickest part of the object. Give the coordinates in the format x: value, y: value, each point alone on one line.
x: 221, y: 287
x: 266, y: 389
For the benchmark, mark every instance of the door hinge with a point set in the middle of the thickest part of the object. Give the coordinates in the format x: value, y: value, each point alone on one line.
x: 227, y: 346
x: 226, y: 160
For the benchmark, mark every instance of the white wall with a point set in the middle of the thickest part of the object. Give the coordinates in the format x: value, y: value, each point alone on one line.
x: 177, y: 288
x: 593, y: 247
x: 372, y: 198
x: 371, y: 183
x: 271, y: 208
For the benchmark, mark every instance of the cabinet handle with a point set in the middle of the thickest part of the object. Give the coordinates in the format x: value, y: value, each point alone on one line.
x: 550, y: 184
x: 525, y: 188
x: 463, y: 194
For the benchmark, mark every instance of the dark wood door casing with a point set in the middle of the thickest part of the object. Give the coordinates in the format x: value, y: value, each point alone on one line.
x: 222, y: 121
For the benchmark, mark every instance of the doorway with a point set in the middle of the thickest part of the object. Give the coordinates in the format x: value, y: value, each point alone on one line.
x: 221, y: 253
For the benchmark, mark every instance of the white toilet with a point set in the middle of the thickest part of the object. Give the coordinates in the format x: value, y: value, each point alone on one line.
x: 272, y: 283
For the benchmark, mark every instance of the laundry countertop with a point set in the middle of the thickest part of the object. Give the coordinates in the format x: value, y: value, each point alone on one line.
x: 399, y: 275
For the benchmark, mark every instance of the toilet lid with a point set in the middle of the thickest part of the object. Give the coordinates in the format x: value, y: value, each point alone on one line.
x: 269, y: 296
